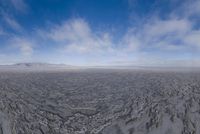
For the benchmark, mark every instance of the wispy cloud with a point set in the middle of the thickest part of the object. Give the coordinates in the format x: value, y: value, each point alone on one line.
x: 166, y: 34
x: 24, y: 45
x: 76, y: 36
x: 156, y: 35
x: 193, y: 38
x: 19, y: 5
x: 189, y: 8
x: 2, y: 32
x: 155, y: 41
x: 12, y: 23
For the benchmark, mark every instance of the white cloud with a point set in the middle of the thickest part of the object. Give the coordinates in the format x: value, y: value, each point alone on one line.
x: 164, y: 36
x: 77, y: 37
x: 155, y: 37
x: 175, y: 33
x: 163, y: 27
x: 72, y: 30
x: 130, y: 42
x: 24, y: 45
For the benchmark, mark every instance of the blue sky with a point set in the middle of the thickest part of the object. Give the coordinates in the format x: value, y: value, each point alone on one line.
x: 101, y: 32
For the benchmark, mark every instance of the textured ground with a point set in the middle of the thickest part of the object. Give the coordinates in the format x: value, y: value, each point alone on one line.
x: 100, y: 102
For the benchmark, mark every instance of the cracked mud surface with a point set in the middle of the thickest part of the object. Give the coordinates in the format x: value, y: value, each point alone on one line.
x: 100, y: 102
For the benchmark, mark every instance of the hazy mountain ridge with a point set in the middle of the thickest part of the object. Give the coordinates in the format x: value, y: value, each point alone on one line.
x: 35, y: 66
x: 49, y: 66
x: 40, y: 64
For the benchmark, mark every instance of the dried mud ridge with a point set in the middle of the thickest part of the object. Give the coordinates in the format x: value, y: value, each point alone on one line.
x: 100, y: 102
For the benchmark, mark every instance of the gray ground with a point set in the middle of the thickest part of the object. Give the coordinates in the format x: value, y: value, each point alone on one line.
x: 100, y: 102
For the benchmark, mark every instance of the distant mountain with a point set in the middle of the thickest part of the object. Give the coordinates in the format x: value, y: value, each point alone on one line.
x: 36, y: 66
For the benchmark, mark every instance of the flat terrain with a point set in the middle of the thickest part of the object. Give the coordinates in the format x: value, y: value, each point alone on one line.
x: 100, y: 102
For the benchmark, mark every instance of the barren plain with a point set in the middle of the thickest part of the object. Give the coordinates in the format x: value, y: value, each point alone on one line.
x: 100, y: 101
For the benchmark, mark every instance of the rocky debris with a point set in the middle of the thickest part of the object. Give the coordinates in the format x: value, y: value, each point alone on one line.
x: 5, y: 127
x: 100, y: 102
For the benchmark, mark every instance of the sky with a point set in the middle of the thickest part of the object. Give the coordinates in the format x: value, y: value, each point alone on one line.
x: 101, y: 32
